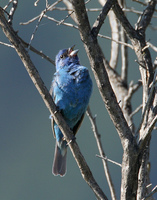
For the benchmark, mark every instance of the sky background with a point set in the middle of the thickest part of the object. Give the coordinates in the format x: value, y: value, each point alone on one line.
x: 26, y: 140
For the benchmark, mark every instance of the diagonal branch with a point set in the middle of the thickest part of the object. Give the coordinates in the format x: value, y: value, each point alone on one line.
x: 93, y: 50
x: 114, y: 35
x: 34, y: 75
x: 96, y: 59
x: 146, y: 17
x: 100, y: 19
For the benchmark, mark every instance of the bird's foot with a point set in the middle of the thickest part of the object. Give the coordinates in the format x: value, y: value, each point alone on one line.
x: 50, y: 117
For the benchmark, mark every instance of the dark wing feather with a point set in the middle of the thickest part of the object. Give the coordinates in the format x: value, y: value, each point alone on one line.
x: 77, y: 126
x: 51, y: 89
x: 52, y: 120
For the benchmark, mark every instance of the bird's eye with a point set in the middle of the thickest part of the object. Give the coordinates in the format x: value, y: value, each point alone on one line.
x: 62, y: 56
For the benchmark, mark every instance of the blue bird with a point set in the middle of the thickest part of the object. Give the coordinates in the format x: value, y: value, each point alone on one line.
x: 71, y: 90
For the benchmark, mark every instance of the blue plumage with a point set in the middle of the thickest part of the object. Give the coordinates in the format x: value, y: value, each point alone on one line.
x: 71, y: 90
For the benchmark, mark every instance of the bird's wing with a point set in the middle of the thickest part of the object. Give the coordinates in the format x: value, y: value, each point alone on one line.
x: 52, y: 120
x: 77, y: 126
x: 52, y: 125
x: 51, y: 89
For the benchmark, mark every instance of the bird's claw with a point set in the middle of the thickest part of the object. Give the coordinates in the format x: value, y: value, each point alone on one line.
x: 50, y: 117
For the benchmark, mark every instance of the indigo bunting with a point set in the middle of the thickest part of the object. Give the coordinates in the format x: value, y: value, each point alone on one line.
x: 71, y: 90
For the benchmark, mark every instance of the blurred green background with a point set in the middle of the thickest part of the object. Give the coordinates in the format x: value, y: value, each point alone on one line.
x: 26, y: 140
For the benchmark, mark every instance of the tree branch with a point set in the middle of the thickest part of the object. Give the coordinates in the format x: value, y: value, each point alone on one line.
x: 100, y: 19
x: 154, y: 190
x: 114, y: 35
x: 145, y: 18
x: 130, y: 168
x: 102, y: 153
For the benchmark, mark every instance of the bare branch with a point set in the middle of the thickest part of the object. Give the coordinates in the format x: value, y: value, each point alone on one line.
x: 146, y: 134
x: 146, y: 17
x: 5, y: 7
x: 87, y: 9
x: 135, y: 11
x: 30, y: 21
x: 40, y: 18
x: 100, y: 19
x: 109, y: 160
x: 132, y: 89
x: 36, y: 2
x: 124, y: 56
x: 63, y: 23
x: 152, y: 46
x: 65, y: 18
x: 147, y: 105
x: 117, y: 41
x: 8, y: 45
x: 136, y: 110
x: 40, y: 53
x: 154, y: 190
x: 124, y: 50
x: 114, y: 35
x: 96, y: 59
x: 142, y: 3
x: 102, y: 153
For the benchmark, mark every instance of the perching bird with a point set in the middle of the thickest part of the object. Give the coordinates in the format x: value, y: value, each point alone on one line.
x: 71, y: 90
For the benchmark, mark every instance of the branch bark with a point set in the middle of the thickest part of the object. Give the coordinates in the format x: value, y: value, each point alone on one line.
x: 102, y: 153
x: 129, y: 165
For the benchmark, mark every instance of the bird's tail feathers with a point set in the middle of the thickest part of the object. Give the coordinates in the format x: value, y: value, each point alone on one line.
x: 59, y: 162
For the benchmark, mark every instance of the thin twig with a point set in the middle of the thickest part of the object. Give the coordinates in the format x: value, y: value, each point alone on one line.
x: 12, y: 10
x: 136, y: 110
x: 63, y: 20
x: 109, y: 160
x: 100, y: 19
x: 124, y: 50
x: 154, y: 190
x: 135, y: 11
x: 40, y: 18
x: 119, y: 42
x: 152, y: 46
x: 40, y: 53
x: 8, y: 45
x: 63, y: 23
x: 147, y: 133
x: 146, y: 108
x: 145, y: 17
x: 5, y: 7
x: 132, y: 89
x: 102, y: 153
x: 142, y: 3
x: 87, y: 9
x: 36, y: 2
x: 30, y: 21
x: 76, y: 27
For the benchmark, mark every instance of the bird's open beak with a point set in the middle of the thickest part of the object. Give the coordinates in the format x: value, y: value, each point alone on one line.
x: 71, y: 49
x: 74, y: 52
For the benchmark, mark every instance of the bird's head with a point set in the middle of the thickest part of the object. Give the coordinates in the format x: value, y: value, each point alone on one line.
x: 65, y: 57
